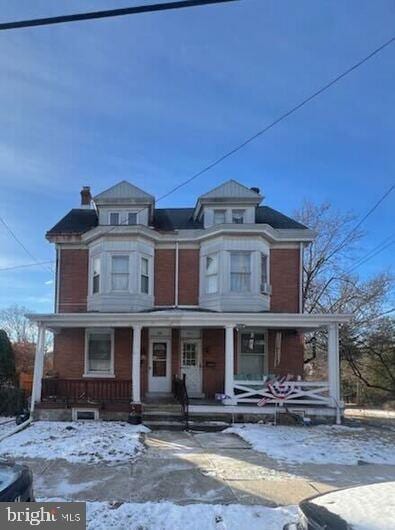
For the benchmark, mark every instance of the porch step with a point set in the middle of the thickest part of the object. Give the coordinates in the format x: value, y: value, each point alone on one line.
x: 164, y: 425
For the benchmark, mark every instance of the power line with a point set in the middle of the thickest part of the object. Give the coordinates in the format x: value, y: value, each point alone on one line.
x: 78, y: 17
x: 16, y: 238
x: 283, y: 117
x: 379, y: 251
x: 367, y: 255
x: 26, y: 265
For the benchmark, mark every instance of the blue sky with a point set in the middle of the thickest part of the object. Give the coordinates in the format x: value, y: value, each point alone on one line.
x: 154, y: 98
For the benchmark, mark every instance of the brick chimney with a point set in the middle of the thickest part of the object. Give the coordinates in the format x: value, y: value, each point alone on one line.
x: 86, y: 197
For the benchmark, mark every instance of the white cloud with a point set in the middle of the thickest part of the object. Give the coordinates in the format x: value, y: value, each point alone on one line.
x: 49, y: 282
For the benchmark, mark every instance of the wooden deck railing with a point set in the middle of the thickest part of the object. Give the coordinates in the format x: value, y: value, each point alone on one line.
x: 77, y: 390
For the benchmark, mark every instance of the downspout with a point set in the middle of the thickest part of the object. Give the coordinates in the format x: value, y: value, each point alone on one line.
x: 57, y: 284
x: 301, y: 264
x: 176, y: 278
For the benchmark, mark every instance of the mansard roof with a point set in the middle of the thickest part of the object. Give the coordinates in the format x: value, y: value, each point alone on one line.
x: 79, y: 221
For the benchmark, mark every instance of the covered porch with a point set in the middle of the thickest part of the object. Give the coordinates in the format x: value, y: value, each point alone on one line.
x: 159, y: 345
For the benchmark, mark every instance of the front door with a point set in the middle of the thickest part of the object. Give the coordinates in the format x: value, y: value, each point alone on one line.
x: 159, y: 373
x: 191, y: 366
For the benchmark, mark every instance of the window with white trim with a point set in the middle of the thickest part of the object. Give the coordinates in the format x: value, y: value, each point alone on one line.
x: 251, y: 364
x: 264, y: 273
x: 95, y: 275
x: 240, y: 271
x: 114, y: 218
x: 238, y: 217
x: 219, y: 217
x: 132, y: 218
x: 144, y: 276
x: 119, y: 273
x: 212, y: 274
x: 99, y: 352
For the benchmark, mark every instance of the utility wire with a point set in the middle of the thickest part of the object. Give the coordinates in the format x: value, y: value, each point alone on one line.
x: 16, y: 238
x: 26, y: 265
x: 78, y: 17
x: 379, y: 251
x: 368, y: 254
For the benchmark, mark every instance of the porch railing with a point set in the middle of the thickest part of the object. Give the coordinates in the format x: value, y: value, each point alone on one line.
x: 76, y: 390
x: 293, y: 393
x: 181, y: 394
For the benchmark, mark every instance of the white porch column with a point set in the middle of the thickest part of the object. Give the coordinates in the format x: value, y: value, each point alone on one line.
x: 38, y: 367
x: 334, y: 365
x: 229, y: 364
x: 136, y: 355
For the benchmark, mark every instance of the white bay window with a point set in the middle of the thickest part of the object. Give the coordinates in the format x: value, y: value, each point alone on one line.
x: 240, y: 271
x: 120, y: 273
x: 144, y: 276
x: 212, y: 274
x: 96, y: 275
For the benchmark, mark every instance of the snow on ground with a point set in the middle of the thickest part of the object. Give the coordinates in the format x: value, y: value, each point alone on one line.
x: 322, y: 444
x: 78, y: 442
x: 169, y: 516
x: 6, y: 425
x: 369, y: 507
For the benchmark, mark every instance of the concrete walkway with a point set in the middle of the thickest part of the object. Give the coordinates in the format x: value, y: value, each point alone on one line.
x: 198, y: 468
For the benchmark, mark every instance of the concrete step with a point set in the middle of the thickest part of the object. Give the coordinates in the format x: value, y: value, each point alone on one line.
x: 161, y: 416
x: 208, y: 426
x: 165, y: 425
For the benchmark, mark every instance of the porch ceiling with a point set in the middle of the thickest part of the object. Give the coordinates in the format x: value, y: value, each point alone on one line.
x: 180, y: 318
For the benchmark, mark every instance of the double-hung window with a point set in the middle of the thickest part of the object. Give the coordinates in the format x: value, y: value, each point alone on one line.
x: 144, y: 280
x: 264, y: 273
x: 219, y: 217
x: 114, y: 218
x: 120, y: 273
x: 240, y: 271
x: 238, y: 217
x: 252, y: 355
x: 212, y: 274
x: 132, y: 218
x: 99, y: 350
x: 95, y: 275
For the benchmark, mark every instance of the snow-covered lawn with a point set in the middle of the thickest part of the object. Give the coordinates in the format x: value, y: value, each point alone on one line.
x: 78, y: 442
x: 322, y: 444
x: 169, y: 516
x: 6, y: 425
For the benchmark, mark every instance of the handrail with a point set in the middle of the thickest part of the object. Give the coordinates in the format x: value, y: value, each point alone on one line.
x: 181, y: 394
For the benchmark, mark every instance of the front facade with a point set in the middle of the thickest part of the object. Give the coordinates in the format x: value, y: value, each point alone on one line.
x: 212, y: 293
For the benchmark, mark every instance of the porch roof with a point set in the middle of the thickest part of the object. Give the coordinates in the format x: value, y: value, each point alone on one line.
x: 188, y: 318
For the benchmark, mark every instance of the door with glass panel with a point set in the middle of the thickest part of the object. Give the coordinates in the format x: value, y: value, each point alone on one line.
x: 191, y: 366
x: 159, y: 371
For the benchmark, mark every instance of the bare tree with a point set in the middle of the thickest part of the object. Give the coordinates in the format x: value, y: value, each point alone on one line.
x: 17, y: 326
x: 331, y: 285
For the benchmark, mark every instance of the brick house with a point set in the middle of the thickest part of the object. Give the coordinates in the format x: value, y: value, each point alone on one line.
x: 213, y: 293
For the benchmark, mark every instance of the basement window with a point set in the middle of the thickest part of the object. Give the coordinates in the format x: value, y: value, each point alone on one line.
x: 85, y: 414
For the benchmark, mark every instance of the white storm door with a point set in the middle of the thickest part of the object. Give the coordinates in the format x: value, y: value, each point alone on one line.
x: 159, y: 372
x: 191, y: 365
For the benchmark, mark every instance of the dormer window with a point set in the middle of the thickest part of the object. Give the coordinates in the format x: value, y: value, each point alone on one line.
x: 114, y: 218
x: 219, y: 217
x: 238, y: 217
x: 132, y: 218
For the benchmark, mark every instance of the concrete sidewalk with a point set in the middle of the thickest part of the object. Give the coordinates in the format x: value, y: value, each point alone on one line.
x: 198, y: 468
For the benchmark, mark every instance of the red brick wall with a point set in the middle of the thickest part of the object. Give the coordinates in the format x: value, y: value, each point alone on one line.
x: 188, y: 276
x: 292, y: 352
x: 164, y: 275
x: 73, y: 280
x: 213, y: 344
x: 69, y: 351
x: 284, y: 279
x: 68, y: 359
